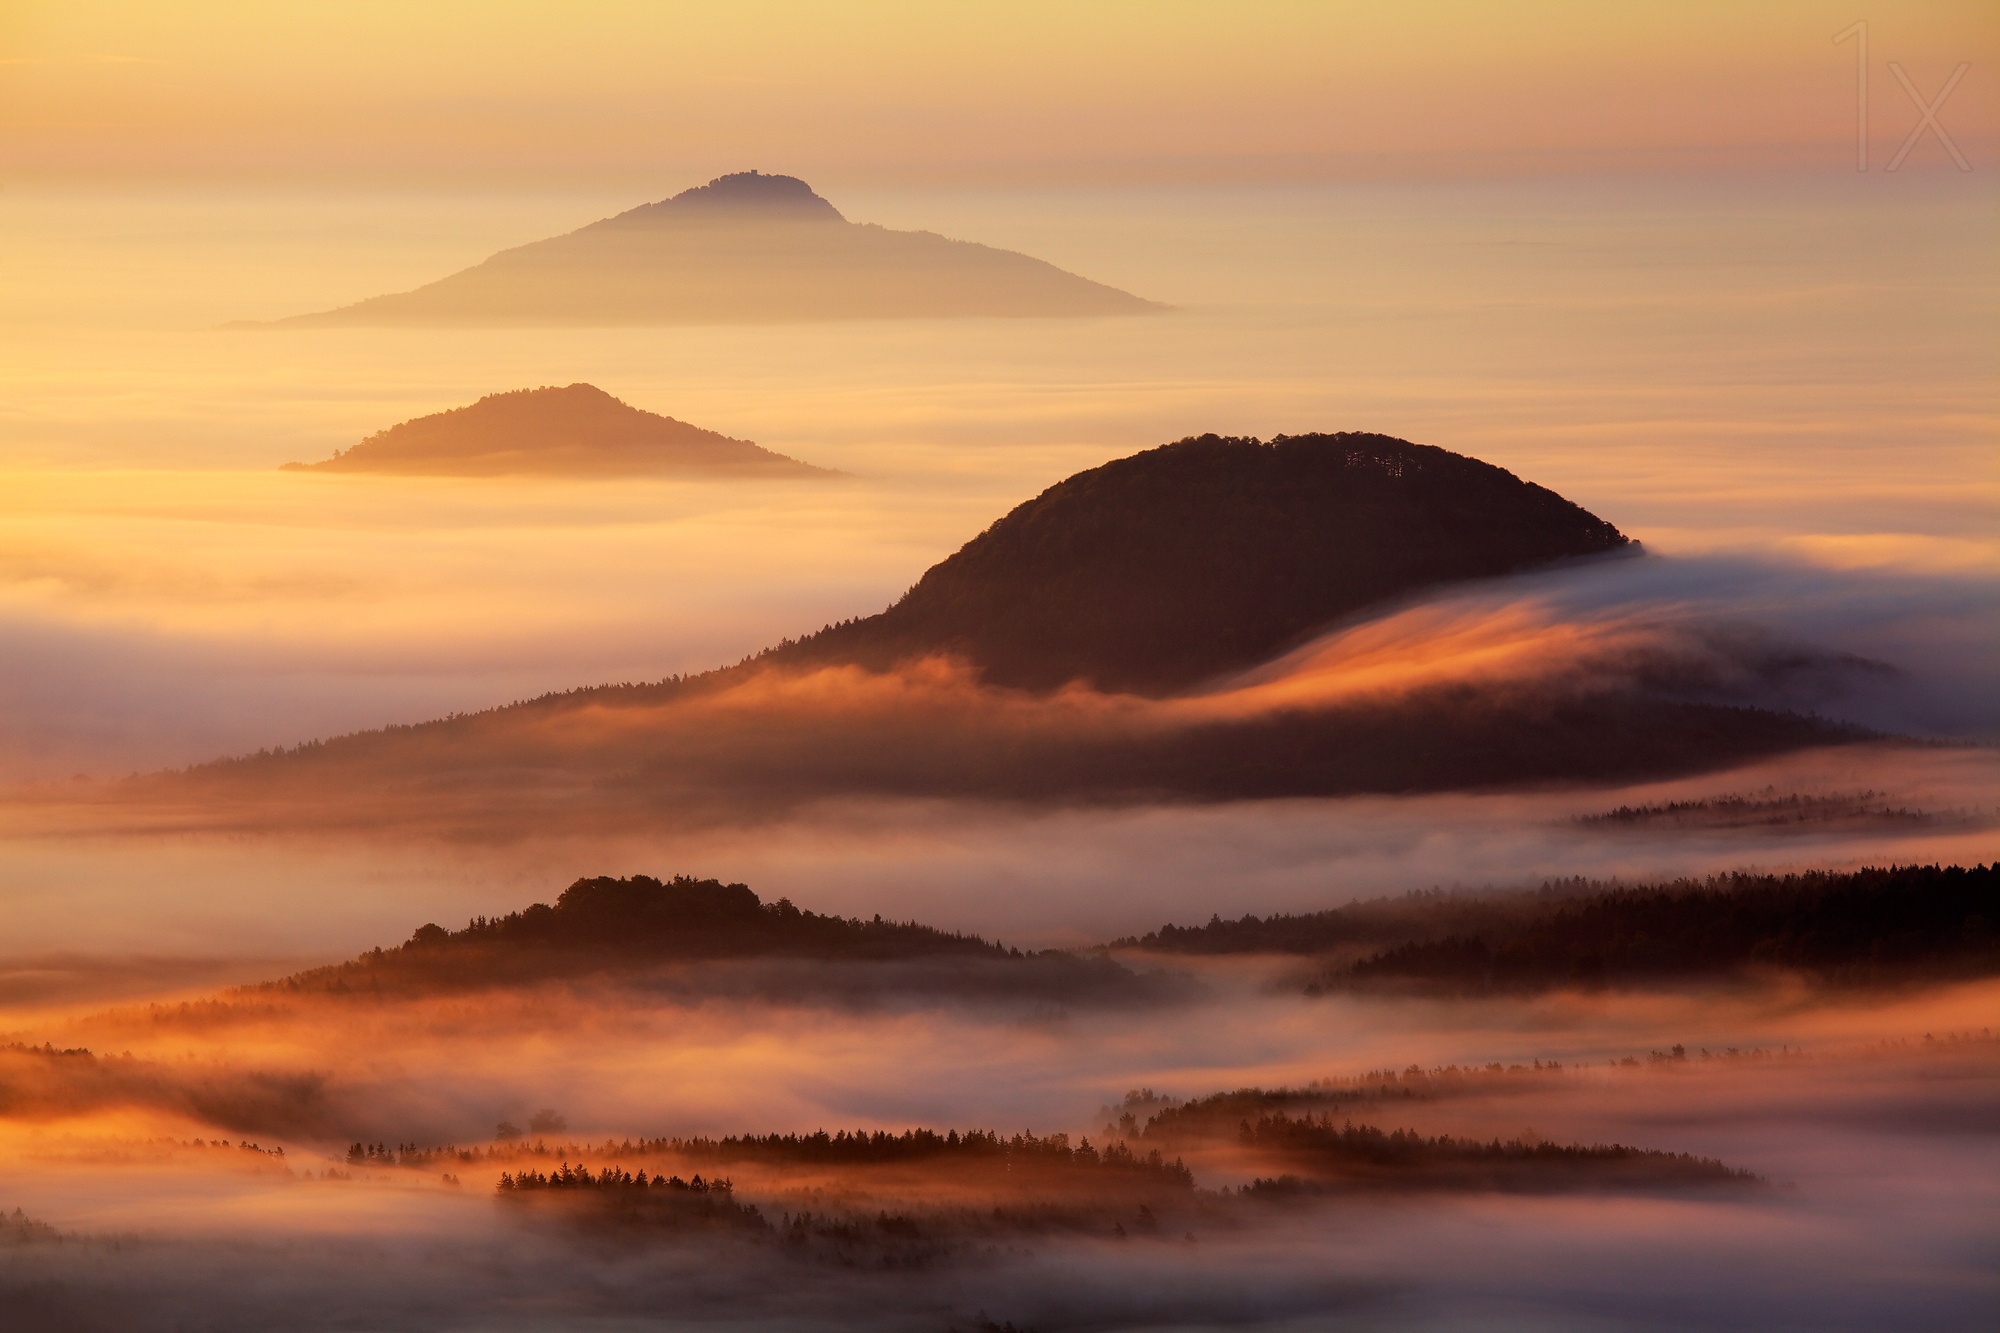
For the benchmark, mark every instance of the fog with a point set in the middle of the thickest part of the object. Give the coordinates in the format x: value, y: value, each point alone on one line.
x: 1781, y: 384
x: 1865, y: 1117
x: 169, y: 598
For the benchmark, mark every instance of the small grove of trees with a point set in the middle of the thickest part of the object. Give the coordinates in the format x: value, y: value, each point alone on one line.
x: 872, y: 1147
x: 616, y: 1196
x: 567, y: 1177
x: 1351, y: 1153
x: 17, y: 1228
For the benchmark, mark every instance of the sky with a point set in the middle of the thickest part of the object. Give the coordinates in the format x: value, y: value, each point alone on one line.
x: 1016, y: 93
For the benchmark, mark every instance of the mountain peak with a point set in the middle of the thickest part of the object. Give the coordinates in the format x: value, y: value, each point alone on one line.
x: 746, y: 248
x: 739, y: 196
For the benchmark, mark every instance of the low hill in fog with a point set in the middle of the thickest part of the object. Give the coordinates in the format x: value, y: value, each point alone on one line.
x: 744, y: 248
x: 1155, y: 572
x: 579, y: 430
x: 639, y: 925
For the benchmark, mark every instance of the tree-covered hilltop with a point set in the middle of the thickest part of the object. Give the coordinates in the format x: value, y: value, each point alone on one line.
x: 695, y: 918
x: 1902, y: 923
x: 1157, y: 571
x: 606, y: 923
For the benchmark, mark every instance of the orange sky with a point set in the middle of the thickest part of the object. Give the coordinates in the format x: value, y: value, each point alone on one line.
x: 899, y: 91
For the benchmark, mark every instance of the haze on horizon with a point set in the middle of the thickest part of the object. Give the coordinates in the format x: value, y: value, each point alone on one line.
x: 1017, y: 94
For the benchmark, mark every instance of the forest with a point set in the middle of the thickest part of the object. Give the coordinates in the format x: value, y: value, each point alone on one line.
x: 1321, y: 1155
x: 880, y: 1147
x: 1869, y: 926
x: 605, y: 923
x: 883, y: 1199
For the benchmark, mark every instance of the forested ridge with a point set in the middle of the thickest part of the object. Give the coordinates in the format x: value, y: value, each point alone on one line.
x: 605, y: 921
x: 1320, y: 1155
x: 1863, y: 926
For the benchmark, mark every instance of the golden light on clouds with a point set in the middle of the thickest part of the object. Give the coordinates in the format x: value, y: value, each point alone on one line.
x: 919, y: 92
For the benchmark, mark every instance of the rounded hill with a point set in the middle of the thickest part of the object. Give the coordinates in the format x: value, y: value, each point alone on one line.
x: 1155, y: 572
x: 577, y: 430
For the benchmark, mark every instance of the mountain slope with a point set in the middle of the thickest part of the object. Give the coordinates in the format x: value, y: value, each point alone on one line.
x: 1151, y: 578
x: 745, y: 248
x: 579, y: 430
x: 1155, y: 572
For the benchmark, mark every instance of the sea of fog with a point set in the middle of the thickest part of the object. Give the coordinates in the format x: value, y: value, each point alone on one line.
x: 1783, y: 386
x: 1795, y: 370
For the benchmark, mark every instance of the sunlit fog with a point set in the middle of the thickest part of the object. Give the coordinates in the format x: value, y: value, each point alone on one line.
x: 1375, y: 709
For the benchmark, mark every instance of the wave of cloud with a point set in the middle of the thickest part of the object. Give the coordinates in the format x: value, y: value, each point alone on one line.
x: 1594, y: 673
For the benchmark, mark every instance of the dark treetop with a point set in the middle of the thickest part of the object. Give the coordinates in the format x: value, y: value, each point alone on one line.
x: 1155, y: 572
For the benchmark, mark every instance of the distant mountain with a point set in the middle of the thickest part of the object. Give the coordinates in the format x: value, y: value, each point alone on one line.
x: 744, y: 249
x: 579, y: 430
x: 1157, y: 571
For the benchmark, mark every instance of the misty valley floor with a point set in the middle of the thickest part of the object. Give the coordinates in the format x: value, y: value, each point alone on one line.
x: 1792, y: 1155
x: 329, y: 1161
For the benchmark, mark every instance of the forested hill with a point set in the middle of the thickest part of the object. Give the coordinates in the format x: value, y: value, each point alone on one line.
x: 1868, y: 926
x: 636, y: 921
x: 1155, y: 572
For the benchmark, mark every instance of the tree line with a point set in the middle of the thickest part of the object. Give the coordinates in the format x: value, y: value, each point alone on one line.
x: 1865, y: 926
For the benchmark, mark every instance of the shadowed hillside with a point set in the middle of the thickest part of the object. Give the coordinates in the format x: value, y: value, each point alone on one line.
x: 579, y: 430
x: 1155, y: 572
x: 745, y: 248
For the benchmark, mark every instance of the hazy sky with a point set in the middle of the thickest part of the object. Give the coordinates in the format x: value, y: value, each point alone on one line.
x: 1019, y: 91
